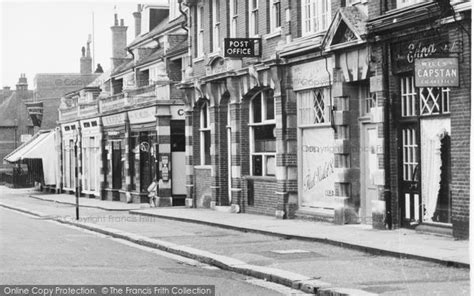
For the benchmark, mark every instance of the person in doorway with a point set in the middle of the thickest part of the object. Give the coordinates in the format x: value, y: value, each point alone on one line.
x: 152, y: 193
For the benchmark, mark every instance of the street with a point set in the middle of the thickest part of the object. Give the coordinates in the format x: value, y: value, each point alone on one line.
x: 35, y: 250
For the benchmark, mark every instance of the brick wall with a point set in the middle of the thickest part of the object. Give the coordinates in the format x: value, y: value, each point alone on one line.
x: 460, y: 140
x: 265, y: 201
x: 203, y: 186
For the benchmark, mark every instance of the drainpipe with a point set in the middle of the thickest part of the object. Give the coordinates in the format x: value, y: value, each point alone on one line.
x: 387, y: 192
x: 185, y: 26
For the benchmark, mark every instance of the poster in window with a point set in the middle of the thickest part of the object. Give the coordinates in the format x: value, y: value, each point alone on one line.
x: 318, y: 174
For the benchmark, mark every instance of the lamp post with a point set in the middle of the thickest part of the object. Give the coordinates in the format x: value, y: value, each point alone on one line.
x: 76, y: 172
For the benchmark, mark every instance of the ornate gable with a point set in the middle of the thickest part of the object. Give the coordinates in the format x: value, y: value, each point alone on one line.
x: 347, y: 29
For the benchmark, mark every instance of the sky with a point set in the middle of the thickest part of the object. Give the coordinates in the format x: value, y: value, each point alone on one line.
x: 47, y: 36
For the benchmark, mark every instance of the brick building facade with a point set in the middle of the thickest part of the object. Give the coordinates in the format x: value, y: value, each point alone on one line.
x: 310, y: 127
x: 428, y: 125
x: 127, y: 127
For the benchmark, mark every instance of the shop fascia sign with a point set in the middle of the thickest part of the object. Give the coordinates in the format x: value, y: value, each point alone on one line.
x: 437, y: 72
x: 242, y: 47
x: 311, y: 75
x: 117, y: 119
x: 142, y: 115
x: 404, y: 54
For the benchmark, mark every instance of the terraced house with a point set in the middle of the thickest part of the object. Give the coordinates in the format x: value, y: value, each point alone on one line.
x: 311, y: 109
x: 127, y: 127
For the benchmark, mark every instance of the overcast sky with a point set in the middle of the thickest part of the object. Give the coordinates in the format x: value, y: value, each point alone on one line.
x: 47, y: 36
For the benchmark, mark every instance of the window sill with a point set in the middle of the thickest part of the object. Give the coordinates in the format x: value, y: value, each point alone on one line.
x: 203, y: 167
x: 198, y: 59
x: 261, y: 178
x: 273, y: 34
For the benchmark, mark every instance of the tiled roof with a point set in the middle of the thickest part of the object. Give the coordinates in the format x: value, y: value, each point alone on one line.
x: 164, y: 25
x: 13, y: 110
x: 123, y: 67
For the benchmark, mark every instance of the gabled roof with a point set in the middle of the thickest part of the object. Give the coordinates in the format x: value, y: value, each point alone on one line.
x: 347, y: 28
x: 13, y: 111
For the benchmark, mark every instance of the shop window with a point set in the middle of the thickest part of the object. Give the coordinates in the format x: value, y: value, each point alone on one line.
x: 90, y: 150
x: 275, y: 16
x: 205, y: 135
x: 134, y: 155
x: 233, y: 14
x: 147, y: 152
x: 432, y: 100
x: 262, y: 134
x: 215, y: 10
x: 315, y: 16
x: 313, y: 107
x: 253, y: 18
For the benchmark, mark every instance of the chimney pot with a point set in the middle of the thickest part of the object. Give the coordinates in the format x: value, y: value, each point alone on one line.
x: 116, y: 20
x: 121, y: 23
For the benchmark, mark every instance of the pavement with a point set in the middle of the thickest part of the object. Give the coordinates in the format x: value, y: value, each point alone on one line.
x: 90, y: 202
x: 404, y: 243
x: 400, y: 243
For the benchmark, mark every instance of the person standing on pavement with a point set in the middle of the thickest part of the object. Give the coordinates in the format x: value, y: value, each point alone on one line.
x: 152, y: 193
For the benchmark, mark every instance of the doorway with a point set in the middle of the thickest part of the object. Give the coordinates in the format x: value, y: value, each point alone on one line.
x: 369, y: 168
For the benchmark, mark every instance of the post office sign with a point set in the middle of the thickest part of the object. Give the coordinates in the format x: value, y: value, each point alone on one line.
x: 242, y: 47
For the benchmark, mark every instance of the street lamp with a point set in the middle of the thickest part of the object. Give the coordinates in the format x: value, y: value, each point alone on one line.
x: 76, y: 171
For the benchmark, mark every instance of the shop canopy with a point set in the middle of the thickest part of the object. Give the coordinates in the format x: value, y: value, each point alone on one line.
x: 41, y: 146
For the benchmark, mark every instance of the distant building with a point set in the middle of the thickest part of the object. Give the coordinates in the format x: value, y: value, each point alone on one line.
x: 50, y: 87
x: 16, y: 126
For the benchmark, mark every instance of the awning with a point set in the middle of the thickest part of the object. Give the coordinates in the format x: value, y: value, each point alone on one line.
x: 41, y: 146
x: 26, y: 147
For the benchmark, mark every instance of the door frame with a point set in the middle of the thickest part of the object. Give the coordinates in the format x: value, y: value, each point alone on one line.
x: 364, y: 126
x: 413, y: 188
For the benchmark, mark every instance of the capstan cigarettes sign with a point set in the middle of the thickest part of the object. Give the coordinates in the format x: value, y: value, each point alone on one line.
x: 436, y: 72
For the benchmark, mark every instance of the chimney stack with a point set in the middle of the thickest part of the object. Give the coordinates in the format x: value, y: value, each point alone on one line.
x: 86, y: 60
x: 138, y: 20
x: 22, y: 87
x: 119, y: 42
x: 22, y: 83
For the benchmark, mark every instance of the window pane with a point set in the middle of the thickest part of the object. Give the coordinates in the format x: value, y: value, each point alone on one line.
x: 264, y: 138
x: 204, y: 116
x: 270, y: 106
x: 270, y: 164
x: 257, y: 165
x: 257, y: 108
x: 207, y: 147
